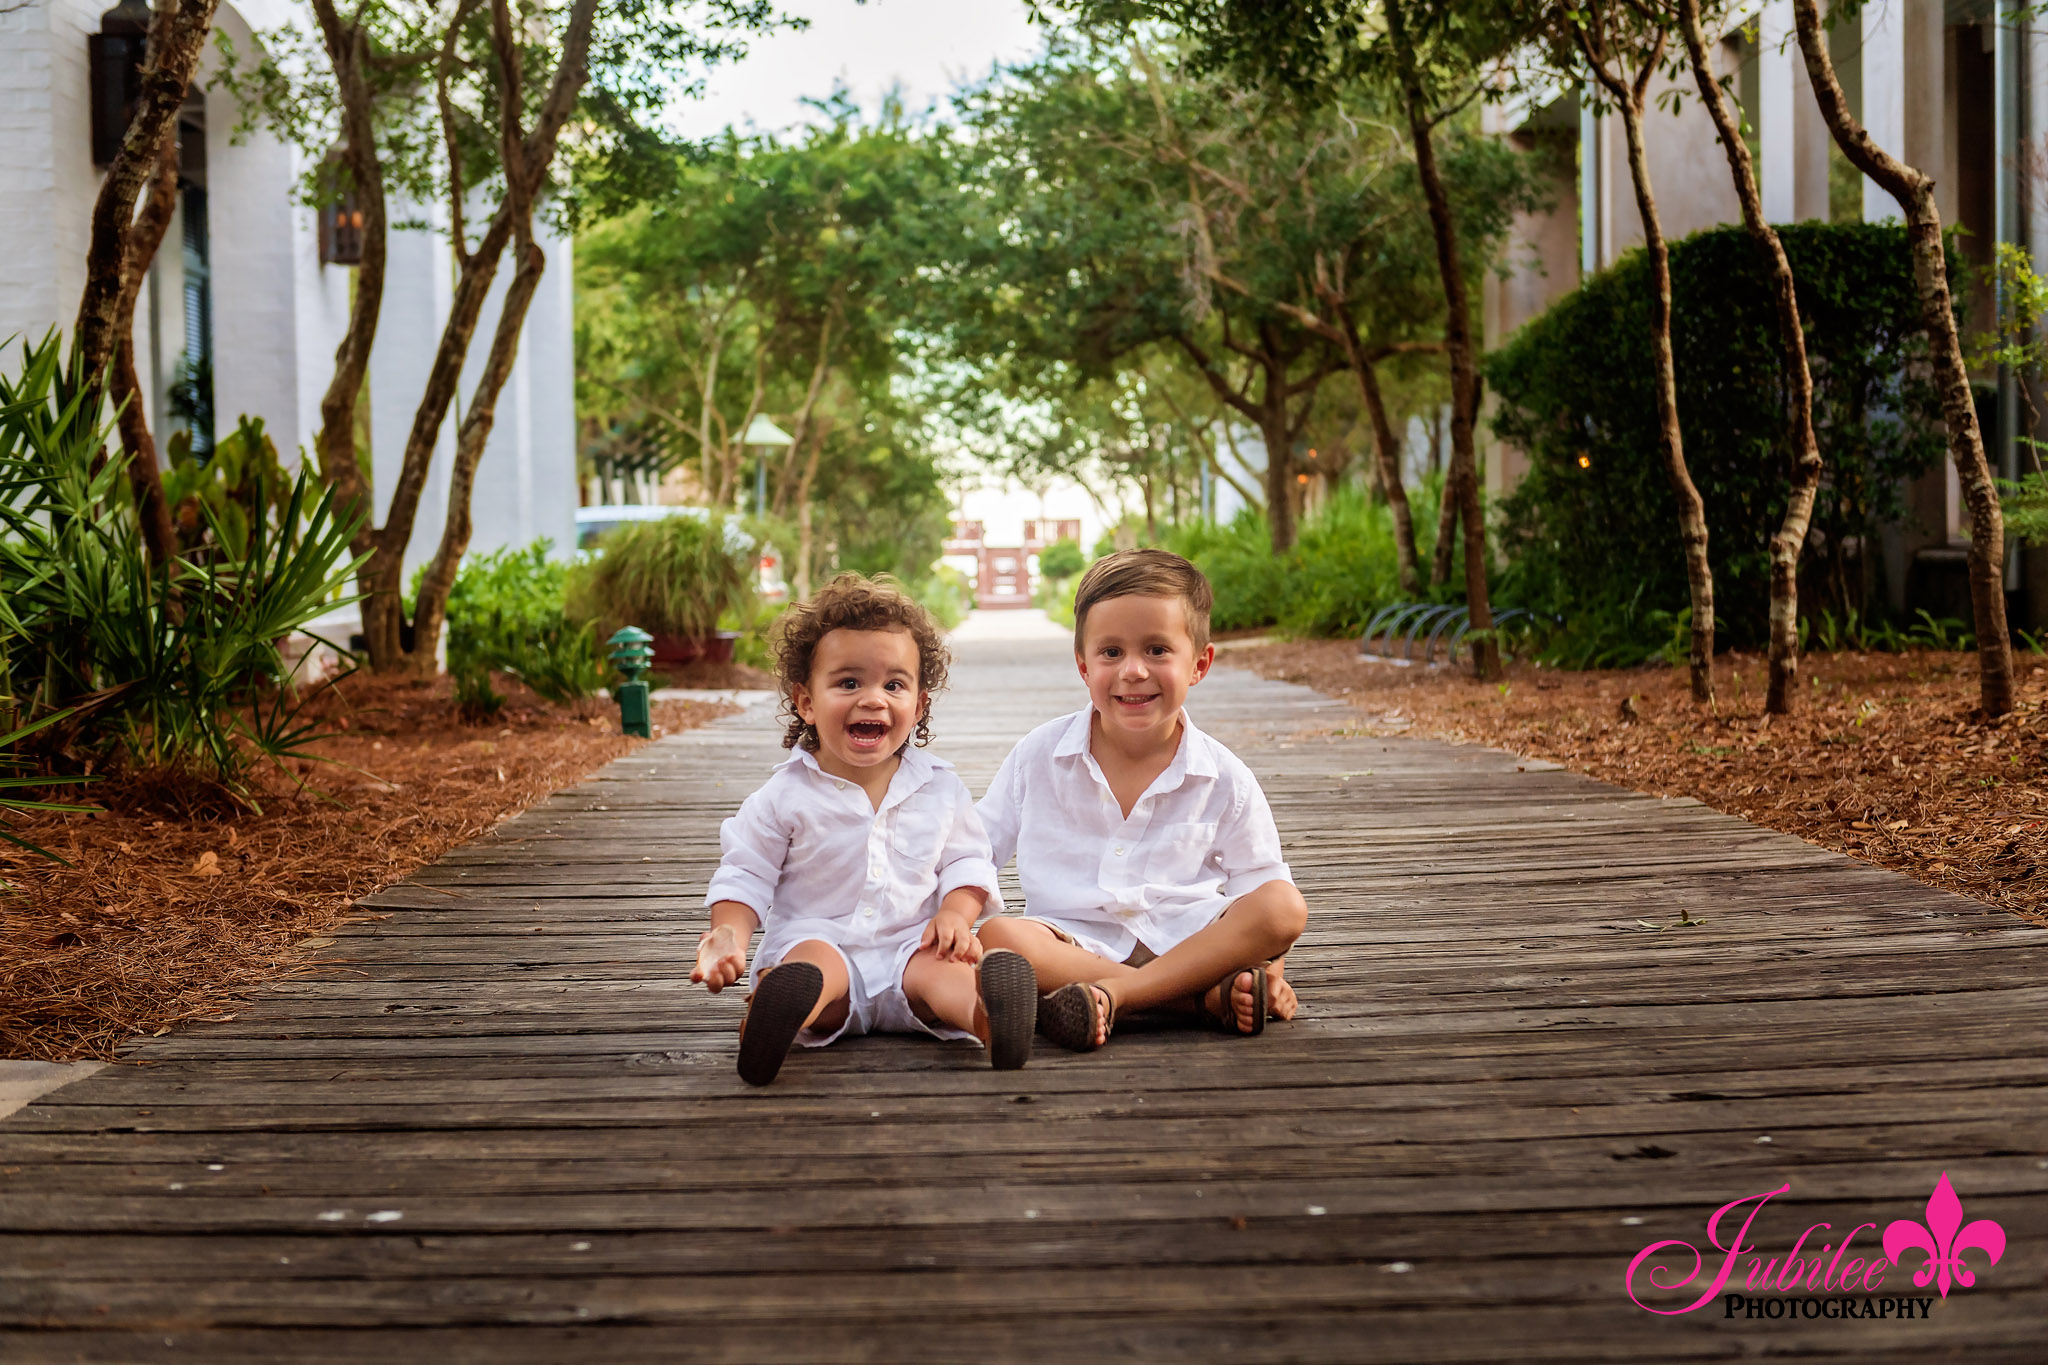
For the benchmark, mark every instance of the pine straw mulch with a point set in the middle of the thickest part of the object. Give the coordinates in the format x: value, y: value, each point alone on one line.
x: 1886, y: 758
x: 176, y: 902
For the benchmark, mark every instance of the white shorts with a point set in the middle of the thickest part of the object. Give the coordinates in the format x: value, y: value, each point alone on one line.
x: 875, y: 1002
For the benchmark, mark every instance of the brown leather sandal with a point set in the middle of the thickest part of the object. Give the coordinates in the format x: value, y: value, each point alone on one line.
x: 1226, y: 1022
x: 1071, y: 1015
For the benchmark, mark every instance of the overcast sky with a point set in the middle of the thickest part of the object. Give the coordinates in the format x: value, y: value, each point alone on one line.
x: 929, y: 46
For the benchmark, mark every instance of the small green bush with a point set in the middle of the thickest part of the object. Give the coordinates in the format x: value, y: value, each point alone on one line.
x: 1341, y: 570
x: 945, y: 593
x: 1061, y: 559
x: 675, y: 576
x: 506, y: 613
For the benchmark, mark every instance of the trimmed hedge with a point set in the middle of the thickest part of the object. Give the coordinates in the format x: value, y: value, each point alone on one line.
x: 1594, y: 523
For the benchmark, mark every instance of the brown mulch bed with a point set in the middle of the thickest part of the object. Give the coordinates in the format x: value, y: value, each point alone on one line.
x: 177, y: 902
x: 1885, y: 758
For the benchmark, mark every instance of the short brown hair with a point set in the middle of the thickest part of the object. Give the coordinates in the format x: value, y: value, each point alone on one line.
x: 1146, y: 573
x: 851, y: 602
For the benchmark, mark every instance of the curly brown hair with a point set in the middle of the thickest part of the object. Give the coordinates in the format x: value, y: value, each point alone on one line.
x: 851, y: 602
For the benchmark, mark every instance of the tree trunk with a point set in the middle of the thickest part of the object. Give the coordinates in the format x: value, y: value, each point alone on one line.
x: 340, y: 406
x: 1692, y: 510
x: 1914, y: 192
x: 1279, y: 468
x: 1446, y: 548
x: 802, y: 424
x: 1387, y: 460
x: 177, y: 38
x: 145, y: 480
x: 1463, y: 482
x: 526, y: 161
x: 430, y: 611
x: 1806, y: 462
x: 806, y: 542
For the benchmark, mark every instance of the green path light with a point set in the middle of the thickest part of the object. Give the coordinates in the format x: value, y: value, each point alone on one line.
x: 632, y: 652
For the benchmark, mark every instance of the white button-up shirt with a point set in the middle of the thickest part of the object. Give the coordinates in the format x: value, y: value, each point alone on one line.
x: 809, y: 846
x: 1198, y: 838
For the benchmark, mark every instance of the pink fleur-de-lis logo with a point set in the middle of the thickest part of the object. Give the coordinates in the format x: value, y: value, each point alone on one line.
x: 1944, y: 1245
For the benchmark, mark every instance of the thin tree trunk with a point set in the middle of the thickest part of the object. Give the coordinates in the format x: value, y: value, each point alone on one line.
x: 802, y: 424
x: 1446, y: 549
x: 1806, y: 461
x: 1463, y: 483
x: 525, y: 163
x: 1279, y: 470
x: 1914, y: 192
x: 806, y: 542
x: 1387, y: 461
x: 145, y: 480
x: 430, y: 612
x: 177, y: 38
x: 1630, y: 97
x: 335, y: 444
x: 1270, y: 414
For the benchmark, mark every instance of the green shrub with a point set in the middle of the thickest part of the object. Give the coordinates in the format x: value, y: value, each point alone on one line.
x: 1593, y: 526
x: 675, y: 576
x: 1059, y: 603
x: 506, y: 613
x: 945, y: 593
x: 177, y: 670
x: 1341, y: 570
x: 2026, y: 508
x: 1061, y: 559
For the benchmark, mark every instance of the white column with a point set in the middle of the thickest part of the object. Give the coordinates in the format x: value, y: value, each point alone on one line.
x: 1777, y: 119
x: 417, y: 295
x: 1884, y: 97
x: 1590, y: 168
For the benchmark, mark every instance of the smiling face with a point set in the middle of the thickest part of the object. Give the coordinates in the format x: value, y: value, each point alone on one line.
x: 1139, y: 661
x: 863, y: 697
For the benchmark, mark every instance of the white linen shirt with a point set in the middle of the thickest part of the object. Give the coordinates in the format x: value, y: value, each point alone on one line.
x: 1198, y: 838
x: 810, y: 846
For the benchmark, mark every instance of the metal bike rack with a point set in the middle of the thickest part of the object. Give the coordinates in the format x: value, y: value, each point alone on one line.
x: 1449, y: 624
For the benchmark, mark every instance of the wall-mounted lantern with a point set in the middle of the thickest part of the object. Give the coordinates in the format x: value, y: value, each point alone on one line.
x: 116, y: 53
x: 341, y: 218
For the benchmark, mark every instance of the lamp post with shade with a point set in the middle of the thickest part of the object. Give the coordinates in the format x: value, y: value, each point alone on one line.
x: 764, y: 435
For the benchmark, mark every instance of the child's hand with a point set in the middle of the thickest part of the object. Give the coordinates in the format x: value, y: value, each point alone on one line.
x: 952, y: 936
x: 721, y: 958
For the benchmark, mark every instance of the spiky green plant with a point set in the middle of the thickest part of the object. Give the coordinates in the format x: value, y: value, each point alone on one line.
x: 675, y: 576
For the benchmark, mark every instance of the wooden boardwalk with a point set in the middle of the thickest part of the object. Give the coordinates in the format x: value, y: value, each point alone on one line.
x: 499, y: 1127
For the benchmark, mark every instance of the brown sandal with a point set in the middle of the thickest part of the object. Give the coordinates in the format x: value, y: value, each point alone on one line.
x: 1226, y: 1022
x: 1070, y: 1016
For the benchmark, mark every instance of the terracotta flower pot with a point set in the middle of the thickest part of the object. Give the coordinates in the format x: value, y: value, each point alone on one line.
x: 715, y: 648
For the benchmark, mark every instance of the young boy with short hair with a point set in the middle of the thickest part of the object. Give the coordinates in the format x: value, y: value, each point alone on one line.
x: 1151, y: 868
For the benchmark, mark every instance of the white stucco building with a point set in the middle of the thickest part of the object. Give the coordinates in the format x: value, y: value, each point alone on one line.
x: 1958, y: 88
x: 239, y: 282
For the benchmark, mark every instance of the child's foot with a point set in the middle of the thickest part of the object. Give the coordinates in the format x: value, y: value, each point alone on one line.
x: 781, y: 1005
x: 1237, y: 1003
x: 1077, y: 1017
x: 1009, y: 996
x: 1281, y: 1001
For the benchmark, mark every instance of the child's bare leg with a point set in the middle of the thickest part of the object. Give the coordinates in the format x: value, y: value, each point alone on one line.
x: 1057, y: 962
x: 943, y: 992
x: 1258, y: 925
x: 830, y: 1011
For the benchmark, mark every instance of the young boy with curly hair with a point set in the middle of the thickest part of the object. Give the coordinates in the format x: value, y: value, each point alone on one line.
x: 1151, y: 867
x: 861, y: 858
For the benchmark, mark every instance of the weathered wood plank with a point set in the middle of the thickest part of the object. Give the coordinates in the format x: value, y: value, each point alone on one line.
x: 1501, y: 1085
